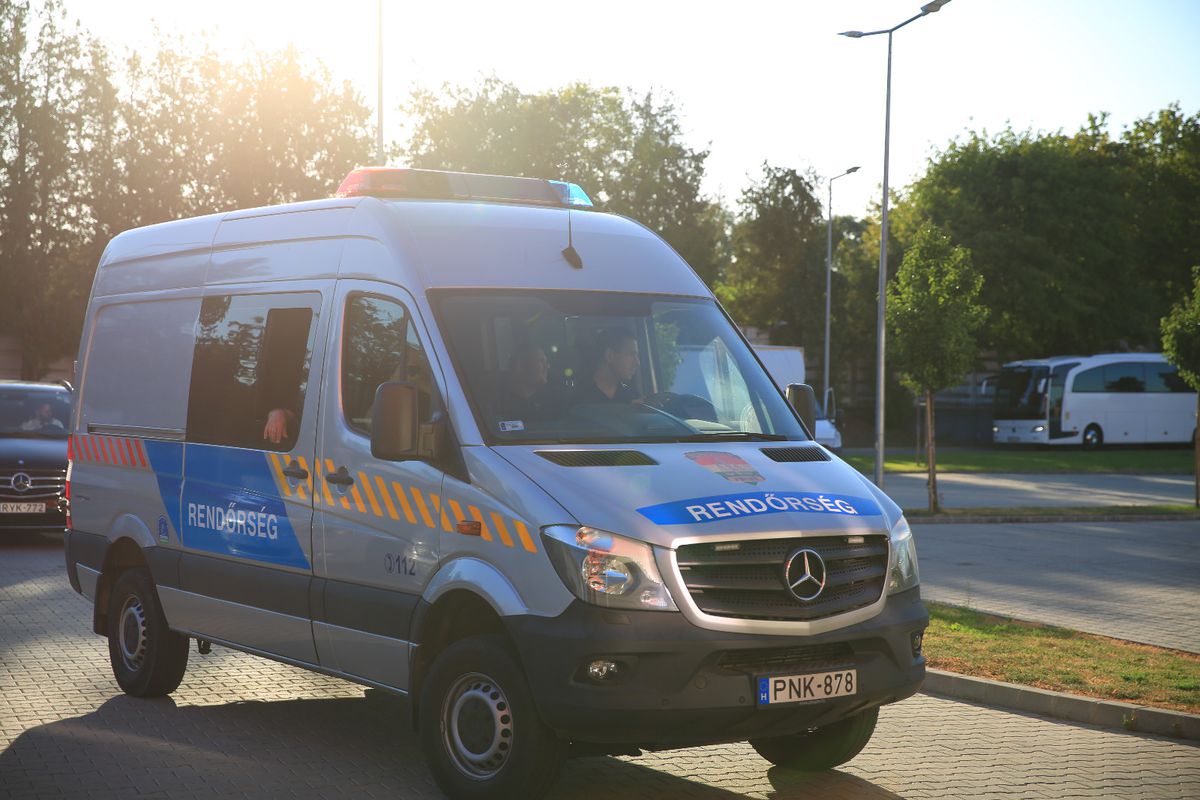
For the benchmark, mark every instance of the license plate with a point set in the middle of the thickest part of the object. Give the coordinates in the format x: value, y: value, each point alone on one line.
x: 778, y: 689
x: 22, y: 508
x: 1014, y: 438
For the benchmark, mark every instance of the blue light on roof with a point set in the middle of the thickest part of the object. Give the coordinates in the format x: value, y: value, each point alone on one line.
x: 571, y: 194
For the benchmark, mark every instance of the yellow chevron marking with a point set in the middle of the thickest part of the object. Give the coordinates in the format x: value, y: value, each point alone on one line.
x: 329, y: 467
x: 387, y: 498
x: 416, y: 493
x: 362, y: 508
x: 319, y: 479
x: 308, y: 482
x: 404, y: 506
x: 501, y: 528
x: 483, y: 526
x: 523, y: 532
x: 441, y: 511
x: 280, y: 478
x: 366, y: 484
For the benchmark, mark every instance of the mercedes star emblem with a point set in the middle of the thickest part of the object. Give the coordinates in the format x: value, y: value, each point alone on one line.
x: 21, y: 482
x: 804, y: 574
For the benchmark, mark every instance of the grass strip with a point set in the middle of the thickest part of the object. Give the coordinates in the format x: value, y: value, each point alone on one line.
x: 1187, y: 511
x: 1048, y: 460
x: 987, y: 646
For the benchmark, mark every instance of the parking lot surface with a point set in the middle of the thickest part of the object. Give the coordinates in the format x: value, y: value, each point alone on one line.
x: 1133, y: 580
x: 243, y: 726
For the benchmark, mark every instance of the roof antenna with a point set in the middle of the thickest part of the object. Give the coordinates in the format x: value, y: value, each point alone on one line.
x: 570, y: 253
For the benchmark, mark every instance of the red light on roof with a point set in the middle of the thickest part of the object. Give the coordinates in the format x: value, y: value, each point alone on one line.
x: 428, y: 184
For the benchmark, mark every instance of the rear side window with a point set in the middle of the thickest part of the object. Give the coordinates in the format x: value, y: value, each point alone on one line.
x: 380, y: 344
x: 1164, y: 378
x: 1124, y: 377
x: 251, y: 362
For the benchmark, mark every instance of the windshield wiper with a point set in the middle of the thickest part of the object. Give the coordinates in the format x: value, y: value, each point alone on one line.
x: 733, y: 436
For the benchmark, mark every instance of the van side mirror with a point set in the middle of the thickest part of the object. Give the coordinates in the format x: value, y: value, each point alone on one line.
x: 394, y: 423
x: 804, y: 400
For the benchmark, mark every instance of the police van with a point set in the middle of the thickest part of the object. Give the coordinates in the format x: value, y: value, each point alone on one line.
x: 464, y: 439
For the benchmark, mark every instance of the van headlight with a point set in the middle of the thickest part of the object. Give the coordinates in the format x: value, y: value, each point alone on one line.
x: 606, y: 569
x: 904, y: 572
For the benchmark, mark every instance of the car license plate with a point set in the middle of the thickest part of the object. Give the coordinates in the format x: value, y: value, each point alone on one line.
x: 22, y: 508
x: 1014, y: 438
x: 778, y: 689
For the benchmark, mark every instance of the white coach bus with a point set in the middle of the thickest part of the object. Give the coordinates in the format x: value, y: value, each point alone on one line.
x: 1117, y: 398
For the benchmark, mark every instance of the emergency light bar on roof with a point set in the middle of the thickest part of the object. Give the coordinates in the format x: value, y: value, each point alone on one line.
x: 429, y: 184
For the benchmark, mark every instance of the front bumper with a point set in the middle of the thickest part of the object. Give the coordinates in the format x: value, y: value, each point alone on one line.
x: 52, y: 521
x: 680, y: 685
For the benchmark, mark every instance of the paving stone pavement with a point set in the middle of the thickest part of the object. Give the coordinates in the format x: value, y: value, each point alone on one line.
x: 1132, y: 580
x: 246, y: 727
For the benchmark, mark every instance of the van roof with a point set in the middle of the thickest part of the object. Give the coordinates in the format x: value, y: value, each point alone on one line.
x: 432, y: 244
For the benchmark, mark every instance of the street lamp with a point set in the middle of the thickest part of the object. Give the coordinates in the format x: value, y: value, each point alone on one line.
x: 828, y: 285
x: 928, y: 8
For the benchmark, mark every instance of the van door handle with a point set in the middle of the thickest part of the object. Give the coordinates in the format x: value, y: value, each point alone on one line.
x: 341, y: 478
x: 294, y: 470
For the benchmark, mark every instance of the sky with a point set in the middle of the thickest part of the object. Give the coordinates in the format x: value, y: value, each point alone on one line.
x: 753, y: 81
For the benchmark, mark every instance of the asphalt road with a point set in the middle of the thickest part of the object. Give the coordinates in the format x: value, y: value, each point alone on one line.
x: 1132, y: 580
x: 993, y: 490
x: 246, y: 727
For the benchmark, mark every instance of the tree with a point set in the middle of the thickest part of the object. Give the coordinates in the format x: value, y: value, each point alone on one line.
x: 777, y: 278
x: 626, y: 151
x: 933, y: 316
x: 1181, y: 345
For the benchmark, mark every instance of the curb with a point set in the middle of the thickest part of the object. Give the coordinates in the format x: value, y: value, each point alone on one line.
x: 966, y: 519
x: 1104, y: 713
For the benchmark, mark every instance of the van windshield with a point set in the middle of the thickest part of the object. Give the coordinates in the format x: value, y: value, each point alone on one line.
x: 586, y: 367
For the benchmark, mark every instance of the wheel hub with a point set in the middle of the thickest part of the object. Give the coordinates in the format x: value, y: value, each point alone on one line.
x: 477, y: 726
x: 132, y: 633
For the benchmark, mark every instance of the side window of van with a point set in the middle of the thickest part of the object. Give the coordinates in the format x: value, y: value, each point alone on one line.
x: 250, y: 367
x: 1124, y: 377
x: 1164, y: 378
x: 380, y: 344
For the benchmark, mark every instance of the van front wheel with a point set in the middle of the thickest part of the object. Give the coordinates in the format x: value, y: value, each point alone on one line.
x: 480, y: 728
x: 1093, y: 437
x: 148, y: 658
x: 821, y: 748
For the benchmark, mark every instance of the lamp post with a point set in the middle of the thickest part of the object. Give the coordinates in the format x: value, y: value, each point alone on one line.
x: 928, y: 8
x: 379, y: 103
x: 828, y: 288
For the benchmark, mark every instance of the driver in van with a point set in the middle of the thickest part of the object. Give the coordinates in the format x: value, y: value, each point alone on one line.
x: 616, y: 364
x: 43, y: 418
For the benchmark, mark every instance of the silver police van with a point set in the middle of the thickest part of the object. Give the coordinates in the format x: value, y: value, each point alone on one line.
x: 461, y: 438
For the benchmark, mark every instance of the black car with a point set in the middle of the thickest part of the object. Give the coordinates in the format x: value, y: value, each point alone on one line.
x: 33, y: 455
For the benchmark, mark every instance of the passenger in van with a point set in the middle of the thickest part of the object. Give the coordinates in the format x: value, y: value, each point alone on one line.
x: 616, y: 363
x: 523, y: 395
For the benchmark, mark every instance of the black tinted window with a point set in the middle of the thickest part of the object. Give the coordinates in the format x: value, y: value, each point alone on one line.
x: 251, y: 368
x: 1124, y: 377
x: 380, y: 344
x: 1090, y: 380
x: 1164, y: 378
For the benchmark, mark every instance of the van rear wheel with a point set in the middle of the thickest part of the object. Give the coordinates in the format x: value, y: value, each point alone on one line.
x: 479, y: 726
x: 821, y: 748
x: 148, y: 658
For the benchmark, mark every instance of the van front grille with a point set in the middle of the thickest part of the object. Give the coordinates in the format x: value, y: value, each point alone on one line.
x: 745, y: 579
x: 47, y: 484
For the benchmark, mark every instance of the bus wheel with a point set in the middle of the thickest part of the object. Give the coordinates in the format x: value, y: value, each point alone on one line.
x: 480, y: 728
x: 148, y: 658
x: 822, y: 748
x: 1093, y: 437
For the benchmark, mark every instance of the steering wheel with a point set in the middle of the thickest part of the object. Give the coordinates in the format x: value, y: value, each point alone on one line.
x: 683, y: 406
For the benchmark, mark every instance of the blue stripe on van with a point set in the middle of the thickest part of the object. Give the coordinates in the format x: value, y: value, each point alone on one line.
x: 702, y: 510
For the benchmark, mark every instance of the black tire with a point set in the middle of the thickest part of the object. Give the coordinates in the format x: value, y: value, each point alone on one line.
x: 148, y: 658
x: 821, y: 748
x: 1093, y: 437
x: 502, y: 749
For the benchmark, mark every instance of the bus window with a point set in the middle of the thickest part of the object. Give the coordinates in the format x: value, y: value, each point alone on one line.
x: 1124, y: 377
x: 1090, y: 380
x: 1164, y: 378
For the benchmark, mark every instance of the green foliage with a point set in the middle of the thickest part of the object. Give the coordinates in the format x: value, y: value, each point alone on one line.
x: 1082, y: 239
x: 187, y: 134
x: 777, y: 278
x: 626, y: 151
x: 933, y: 312
x: 1181, y: 334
